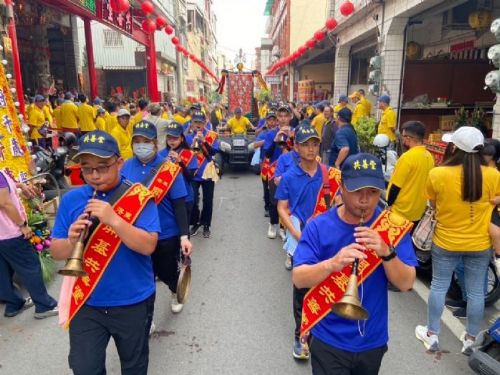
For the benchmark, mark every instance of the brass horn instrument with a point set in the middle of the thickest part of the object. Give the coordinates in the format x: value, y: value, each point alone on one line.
x: 74, y: 264
x: 349, y: 306
x: 196, y: 147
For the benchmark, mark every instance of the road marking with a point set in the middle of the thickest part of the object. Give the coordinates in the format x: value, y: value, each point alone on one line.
x: 454, y: 325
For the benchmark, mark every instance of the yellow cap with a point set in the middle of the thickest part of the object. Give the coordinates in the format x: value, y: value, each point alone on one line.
x: 355, y: 94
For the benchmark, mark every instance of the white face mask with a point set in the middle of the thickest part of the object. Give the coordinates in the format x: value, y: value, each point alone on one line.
x: 144, y: 151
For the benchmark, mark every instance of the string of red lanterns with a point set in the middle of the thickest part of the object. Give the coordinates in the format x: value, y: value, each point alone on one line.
x: 346, y: 9
x: 153, y: 23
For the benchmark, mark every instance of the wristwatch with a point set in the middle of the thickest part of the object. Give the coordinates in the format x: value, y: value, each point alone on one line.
x: 391, y: 255
x: 24, y: 224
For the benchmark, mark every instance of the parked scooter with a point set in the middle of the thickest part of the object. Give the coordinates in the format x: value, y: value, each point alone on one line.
x: 485, y: 357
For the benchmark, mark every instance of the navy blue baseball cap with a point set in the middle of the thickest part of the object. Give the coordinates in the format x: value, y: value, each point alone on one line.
x: 273, y: 105
x: 98, y: 143
x: 199, y: 116
x: 345, y: 114
x: 174, y: 129
x: 97, y: 101
x: 39, y: 98
x: 385, y: 99
x: 361, y: 171
x: 271, y: 114
x: 238, y: 110
x: 343, y: 98
x: 303, y: 133
x: 145, y: 129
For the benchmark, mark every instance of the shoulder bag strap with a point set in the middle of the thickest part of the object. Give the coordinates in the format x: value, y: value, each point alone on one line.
x: 326, y: 185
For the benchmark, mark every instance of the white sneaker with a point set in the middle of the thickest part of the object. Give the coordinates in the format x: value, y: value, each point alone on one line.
x: 282, y: 234
x: 175, y: 305
x: 152, y: 328
x: 466, y: 344
x: 271, y: 232
x: 431, y: 342
x: 288, y: 262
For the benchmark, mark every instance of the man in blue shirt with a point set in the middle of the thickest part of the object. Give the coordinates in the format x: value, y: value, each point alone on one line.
x: 346, y: 139
x: 204, y: 176
x: 339, y: 345
x: 274, y: 144
x: 171, y: 210
x: 297, y: 195
x: 122, y: 303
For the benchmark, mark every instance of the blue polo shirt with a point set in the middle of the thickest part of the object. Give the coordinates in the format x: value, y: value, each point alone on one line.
x: 322, y: 238
x: 261, y: 123
x: 201, y: 168
x: 193, y: 166
x: 136, y: 171
x: 269, y: 141
x: 129, y: 277
x: 285, y: 161
x: 261, y: 137
x: 300, y: 190
x: 344, y: 137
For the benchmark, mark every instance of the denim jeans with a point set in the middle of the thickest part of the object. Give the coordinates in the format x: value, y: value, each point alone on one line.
x: 17, y: 255
x: 444, y: 263
x: 459, y: 272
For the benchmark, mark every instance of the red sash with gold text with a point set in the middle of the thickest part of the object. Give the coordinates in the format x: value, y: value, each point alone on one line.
x: 334, y: 179
x: 163, y: 180
x: 319, y: 300
x: 272, y: 170
x: 264, y: 171
x: 103, y: 245
x: 210, y: 138
x: 186, y: 156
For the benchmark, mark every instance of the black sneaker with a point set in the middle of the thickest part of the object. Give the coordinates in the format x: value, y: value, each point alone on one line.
x: 194, y: 229
x: 206, y: 231
x: 454, y: 304
x: 27, y: 304
x: 460, y: 313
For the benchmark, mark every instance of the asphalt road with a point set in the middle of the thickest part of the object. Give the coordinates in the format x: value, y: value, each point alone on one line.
x: 238, y: 319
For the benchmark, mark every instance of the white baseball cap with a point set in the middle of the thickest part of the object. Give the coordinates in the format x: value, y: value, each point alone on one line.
x: 467, y: 138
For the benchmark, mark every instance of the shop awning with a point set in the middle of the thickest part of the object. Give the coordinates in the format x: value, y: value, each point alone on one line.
x: 123, y: 68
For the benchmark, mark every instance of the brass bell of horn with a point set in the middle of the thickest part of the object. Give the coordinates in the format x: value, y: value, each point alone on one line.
x: 74, y: 264
x: 349, y: 306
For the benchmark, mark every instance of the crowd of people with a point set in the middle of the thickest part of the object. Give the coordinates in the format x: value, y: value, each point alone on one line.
x: 144, y: 165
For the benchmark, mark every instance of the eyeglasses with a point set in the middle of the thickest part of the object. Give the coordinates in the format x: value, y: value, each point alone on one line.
x: 100, y: 170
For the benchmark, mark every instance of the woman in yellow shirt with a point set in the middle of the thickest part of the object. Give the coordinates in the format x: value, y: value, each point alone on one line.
x: 461, y: 192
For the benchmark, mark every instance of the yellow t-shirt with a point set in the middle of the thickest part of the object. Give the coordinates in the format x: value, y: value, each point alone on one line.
x: 410, y: 175
x: 178, y: 118
x: 387, y: 124
x: 36, y: 120
x: 165, y: 115
x: 318, y: 122
x: 218, y: 114
x: 238, y: 126
x: 124, y: 141
x: 100, y: 123
x: 86, y: 116
x: 338, y: 107
x: 461, y: 226
x: 49, y: 114
x: 262, y: 111
x: 363, y: 109
x: 134, y: 120
x: 29, y: 108
x: 57, y: 117
x: 111, y: 122
x: 309, y: 111
x: 69, y: 115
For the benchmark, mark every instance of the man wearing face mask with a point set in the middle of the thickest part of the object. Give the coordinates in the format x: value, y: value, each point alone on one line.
x: 121, y: 134
x: 164, y: 179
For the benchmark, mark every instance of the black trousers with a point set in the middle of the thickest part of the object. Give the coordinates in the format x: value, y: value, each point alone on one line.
x: 298, y: 300
x: 273, y: 204
x: 189, y: 210
x: 166, y: 259
x: 326, y: 360
x: 205, y: 218
x: 265, y: 187
x: 92, y: 327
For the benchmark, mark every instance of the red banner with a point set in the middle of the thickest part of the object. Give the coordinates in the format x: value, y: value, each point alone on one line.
x: 240, y: 91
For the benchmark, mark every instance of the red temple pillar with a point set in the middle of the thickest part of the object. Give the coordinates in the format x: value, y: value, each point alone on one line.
x: 90, y: 59
x: 151, y: 73
x: 15, y: 60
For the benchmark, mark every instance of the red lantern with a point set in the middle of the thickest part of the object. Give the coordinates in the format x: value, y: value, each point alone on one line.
x: 302, y: 50
x: 311, y: 43
x: 175, y: 41
x: 319, y: 35
x: 119, y: 6
x: 169, y: 29
x: 185, y: 52
x: 147, y: 7
x: 149, y: 25
x: 331, y: 23
x: 160, y: 22
x: 346, y: 8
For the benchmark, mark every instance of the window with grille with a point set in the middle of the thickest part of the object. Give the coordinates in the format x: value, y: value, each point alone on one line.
x: 112, y: 38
